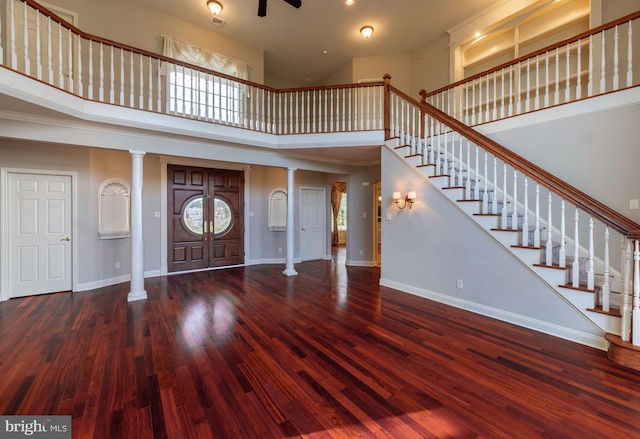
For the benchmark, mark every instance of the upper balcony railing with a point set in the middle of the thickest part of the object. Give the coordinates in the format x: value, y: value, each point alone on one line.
x: 593, y: 63
x: 40, y: 44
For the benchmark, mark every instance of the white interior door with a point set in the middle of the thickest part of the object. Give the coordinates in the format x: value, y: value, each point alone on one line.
x: 312, y: 236
x: 40, y: 219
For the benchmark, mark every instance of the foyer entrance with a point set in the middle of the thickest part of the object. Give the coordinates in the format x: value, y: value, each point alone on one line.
x: 206, y: 227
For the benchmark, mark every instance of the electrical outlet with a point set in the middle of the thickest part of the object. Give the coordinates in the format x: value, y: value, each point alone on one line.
x: 633, y: 204
x: 117, y: 265
x: 459, y: 284
x: 361, y: 252
x: 279, y: 249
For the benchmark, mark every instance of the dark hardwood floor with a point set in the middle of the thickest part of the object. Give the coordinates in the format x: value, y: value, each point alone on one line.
x: 248, y: 352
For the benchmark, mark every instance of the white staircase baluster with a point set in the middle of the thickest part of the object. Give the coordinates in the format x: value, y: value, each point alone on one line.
x: 460, y: 163
x: 49, y: 52
x: 159, y: 81
x: 454, y: 173
x: 556, y: 87
x: 579, y: 72
x: 432, y: 153
x: 466, y: 106
x: 281, y: 104
x: 546, y: 80
x: 90, y: 62
x: 606, y: 286
x: 112, y: 92
x: 38, y: 47
x: 122, y: 78
x: 525, y: 218
x: 567, y: 89
x: 575, y: 268
x: 79, y: 64
x: 1, y: 43
x: 12, y: 35
x: 101, y: 75
x: 313, y: 125
x: 131, y: 82
x: 590, y: 72
x: 502, y: 107
x: 60, y: 75
x: 494, y: 203
x: 527, y: 104
x: 495, y: 96
x: 625, y: 299
x: 25, y: 33
x: 615, y: 60
x: 473, y: 102
x: 150, y: 88
x: 503, y: 223
x: 467, y: 186
x: 630, y: 56
x: 562, y: 255
x: 536, y: 102
x: 437, y: 151
x: 480, y: 103
x: 485, y: 193
x: 590, y: 273
x: 536, y: 232
x: 70, y: 61
x: 514, y: 215
x: 476, y: 192
x: 369, y: 108
x: 445, y: 156
x: 519, y: 89
x: 635, y: 317
x: 549, y: 248
x: 603, y: 80
x: 331, y: 110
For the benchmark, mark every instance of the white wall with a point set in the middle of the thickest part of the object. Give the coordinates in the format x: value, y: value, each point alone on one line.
x: 425, y: 251
x: 135, y: 24
x: 593, y: 149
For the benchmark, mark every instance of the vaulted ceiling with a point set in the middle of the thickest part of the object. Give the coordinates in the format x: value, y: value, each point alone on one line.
x: 304, y: 45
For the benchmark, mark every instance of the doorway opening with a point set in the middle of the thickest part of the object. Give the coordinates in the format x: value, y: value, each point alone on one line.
x: 339, y: 220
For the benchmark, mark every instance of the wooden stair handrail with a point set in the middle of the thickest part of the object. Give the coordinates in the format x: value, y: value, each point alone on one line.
x: 593, y: 207
x: 560, y: 44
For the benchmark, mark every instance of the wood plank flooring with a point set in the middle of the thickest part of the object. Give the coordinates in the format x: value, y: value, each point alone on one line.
x: 248, y: 352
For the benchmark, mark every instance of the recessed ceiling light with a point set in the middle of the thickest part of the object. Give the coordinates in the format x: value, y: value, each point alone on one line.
x: 349, y: 2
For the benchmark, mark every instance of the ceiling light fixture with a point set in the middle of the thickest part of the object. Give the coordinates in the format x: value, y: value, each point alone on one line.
x: 366, y: 31
x: 349, y: 2
x: 214, y: 6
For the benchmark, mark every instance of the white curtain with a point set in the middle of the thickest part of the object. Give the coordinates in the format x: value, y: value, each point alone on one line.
x: 198, y: 56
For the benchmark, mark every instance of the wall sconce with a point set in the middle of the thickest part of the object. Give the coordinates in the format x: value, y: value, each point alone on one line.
x: 214, y: 6
x: 401, y: 200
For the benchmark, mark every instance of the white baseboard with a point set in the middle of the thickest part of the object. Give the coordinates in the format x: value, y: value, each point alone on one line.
x: 505, y: 316
x: 350, y: 263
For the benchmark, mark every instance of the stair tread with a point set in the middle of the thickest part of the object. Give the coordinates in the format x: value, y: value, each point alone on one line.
x: 504, y: 230
x: 554, y: 266
x: 530, y: 247
x: 423, y: 165
x: 580, y: 287
x: 613, y: 311
x: 497, y: 215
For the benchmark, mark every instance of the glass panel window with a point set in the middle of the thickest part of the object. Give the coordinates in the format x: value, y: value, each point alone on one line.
x: 202, y: 95
x: 342, y: 213
x: 192, y: 216
x: 222, y: 217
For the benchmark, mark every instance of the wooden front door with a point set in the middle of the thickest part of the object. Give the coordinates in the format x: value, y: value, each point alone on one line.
x: 205, y: 211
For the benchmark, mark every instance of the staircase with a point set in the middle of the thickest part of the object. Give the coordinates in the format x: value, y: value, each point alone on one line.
x: 475, y: 196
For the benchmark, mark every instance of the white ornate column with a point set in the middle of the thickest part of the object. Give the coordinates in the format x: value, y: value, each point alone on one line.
x: 290, y: 270
x: 137, y: 248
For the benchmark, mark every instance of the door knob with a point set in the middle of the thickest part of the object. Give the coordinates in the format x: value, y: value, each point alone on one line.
x: 303, y: 229
x: 66, y: 239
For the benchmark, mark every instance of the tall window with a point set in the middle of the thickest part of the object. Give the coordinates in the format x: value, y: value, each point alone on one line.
x: 206, y: 96
x: 342, y: 213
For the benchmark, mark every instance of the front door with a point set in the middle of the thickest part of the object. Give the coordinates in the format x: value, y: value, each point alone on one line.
x: 40, y: 219
x: 206, y: 225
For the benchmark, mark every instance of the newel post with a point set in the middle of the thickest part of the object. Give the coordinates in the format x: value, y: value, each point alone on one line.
x: 423, y: 100
x: 387, y: 106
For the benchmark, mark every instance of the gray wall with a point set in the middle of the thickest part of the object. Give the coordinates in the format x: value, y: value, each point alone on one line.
x: 425, y: 251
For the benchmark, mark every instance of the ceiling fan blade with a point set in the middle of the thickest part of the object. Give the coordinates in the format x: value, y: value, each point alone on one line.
x: 294, y: 3
x: 262, y: 8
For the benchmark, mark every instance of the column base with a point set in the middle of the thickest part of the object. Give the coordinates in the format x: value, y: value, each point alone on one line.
x: 136, y: 295
x: 290, y: 272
